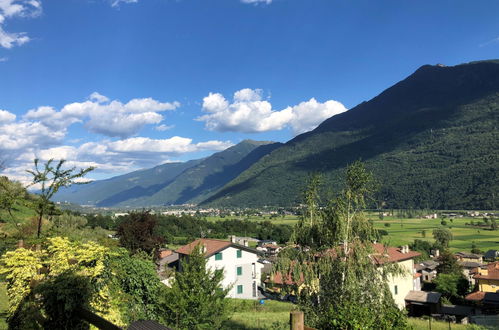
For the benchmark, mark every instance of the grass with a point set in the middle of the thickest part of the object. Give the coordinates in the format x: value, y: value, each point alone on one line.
x: 248, y: 314
x: 405, y: 231
x: 402, y: 231
x: 3, y: 306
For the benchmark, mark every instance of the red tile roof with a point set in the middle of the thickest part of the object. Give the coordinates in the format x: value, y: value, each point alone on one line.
x: 391, y: 254
x: 277, y: 279
x: 475, y: 296
x: 212, y: 246
x: 165, y: 253
x: 493, y: 272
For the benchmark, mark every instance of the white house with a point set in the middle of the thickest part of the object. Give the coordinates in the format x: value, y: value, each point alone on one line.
x: 242, y: 270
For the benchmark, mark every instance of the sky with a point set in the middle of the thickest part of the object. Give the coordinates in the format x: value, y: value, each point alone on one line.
x: 129, y: 84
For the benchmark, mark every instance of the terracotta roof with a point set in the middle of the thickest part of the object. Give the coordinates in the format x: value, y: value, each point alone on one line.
x: 212, y: 246
x: 417, y: 275
x: 165, y: 253
x: 392, y: 254
x: 475, y: 296
x: 278, y: 279
x: 493, y: 272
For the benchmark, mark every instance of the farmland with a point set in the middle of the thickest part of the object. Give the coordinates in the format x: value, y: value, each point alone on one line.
x: 403, y: 231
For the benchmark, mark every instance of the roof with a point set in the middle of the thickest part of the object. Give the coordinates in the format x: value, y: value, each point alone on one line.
x: 493, y: 272
x: 485, y: 297
x: 475, y: 296
x: 277, y: 278
x: 468, y: 255
x: 212, y: 246
x: 470, y: 264
x: 491, y: 254
x: 423, y: 297
x: 392, y: 254
x: 271, y: 246
x: 427, y: 264
x: 165, y: 253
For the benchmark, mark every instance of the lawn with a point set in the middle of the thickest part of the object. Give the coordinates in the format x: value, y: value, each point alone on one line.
x: 3, y: 306
x: 272, y: 314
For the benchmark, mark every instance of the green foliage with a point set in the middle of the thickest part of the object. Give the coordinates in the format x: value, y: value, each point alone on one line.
x: 442, y: 237
x: 448, y: 264
x: 196, y: 299
x: 451, y: 285
x: 137, y: 233
x: 51, y: 179
x: 46, y: 286
x: 11, y: 193
x: 343, y: 288
x: 423, y: 247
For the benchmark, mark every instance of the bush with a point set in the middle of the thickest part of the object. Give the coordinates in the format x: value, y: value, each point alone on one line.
x: 387, y: 224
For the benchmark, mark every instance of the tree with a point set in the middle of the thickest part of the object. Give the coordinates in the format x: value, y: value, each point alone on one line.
x: 451, y: 285
x: 137, y: 233
x: 196, y: 299
x: 46, y: 286
x: 10, y: 194
x: 51, y: 179
x: 343, y: 287
x: 448, y: 264
x: 442, y: 237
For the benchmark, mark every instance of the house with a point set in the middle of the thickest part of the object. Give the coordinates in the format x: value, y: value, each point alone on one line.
x: 269, y: 249
x: 487, y: 277
x: 469, y: 257
x: 427, y: 269
x: 242, y: 270
x: 491, y: 255
x: 400, y: 285
x: 423, y: 303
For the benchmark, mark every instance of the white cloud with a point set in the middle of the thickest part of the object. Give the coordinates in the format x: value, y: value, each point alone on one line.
x: 100, y: 115
x: 163, y: 127
x: 6, y: 117
x: 4, y: 59
x: 116, y: 3
x: 249, y: 114
x: 16, y: 8
x: 267, y: 2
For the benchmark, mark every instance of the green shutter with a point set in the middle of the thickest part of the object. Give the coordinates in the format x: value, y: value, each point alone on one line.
x: 218, y: 256
x: 239, y: 289
x: 239, y: 270
x: 239, y: 253
x: 396, y: 290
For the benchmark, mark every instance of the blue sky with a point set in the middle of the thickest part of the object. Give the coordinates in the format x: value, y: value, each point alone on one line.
x: 123, y: 85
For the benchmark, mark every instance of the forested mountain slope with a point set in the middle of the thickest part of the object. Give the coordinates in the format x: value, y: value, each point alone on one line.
x: 431, y: 140
x: 171, y: 183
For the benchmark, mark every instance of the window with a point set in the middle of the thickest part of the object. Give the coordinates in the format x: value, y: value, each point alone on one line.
x: 396, y: 289
x: 239, y: 271
x: 254, y: 289
x: 239, y: 289
x: 218, y: 256
x: 253, y: 270
x: 239, y: 253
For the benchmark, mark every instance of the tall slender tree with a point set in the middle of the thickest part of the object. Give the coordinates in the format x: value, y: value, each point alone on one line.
x: 339, y: 283
x: 51, y: 178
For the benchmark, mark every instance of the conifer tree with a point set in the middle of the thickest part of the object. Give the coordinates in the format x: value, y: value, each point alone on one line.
x: 196, y: 299
x: 341, y: 284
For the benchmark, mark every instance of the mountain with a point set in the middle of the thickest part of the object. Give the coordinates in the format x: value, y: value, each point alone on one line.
x: 172, y: 183
x: 431, y: 141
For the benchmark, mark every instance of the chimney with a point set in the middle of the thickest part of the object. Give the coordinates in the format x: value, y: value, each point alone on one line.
x: 232, y: 238
x: 204, y: 248
x: 245, y: 242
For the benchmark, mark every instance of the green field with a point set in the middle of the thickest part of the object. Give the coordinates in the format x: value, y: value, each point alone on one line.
x: 403, y: 231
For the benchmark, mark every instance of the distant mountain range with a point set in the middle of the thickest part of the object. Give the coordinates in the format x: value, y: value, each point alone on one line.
x: 171, y: 183
x: 431, y: 140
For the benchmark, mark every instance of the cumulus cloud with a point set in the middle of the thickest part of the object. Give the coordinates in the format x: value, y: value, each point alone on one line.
x: 6, y: 117
x: 248, y: 113
x: 16, y: 8
x: 100, y: 115
x: 163, y: 127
